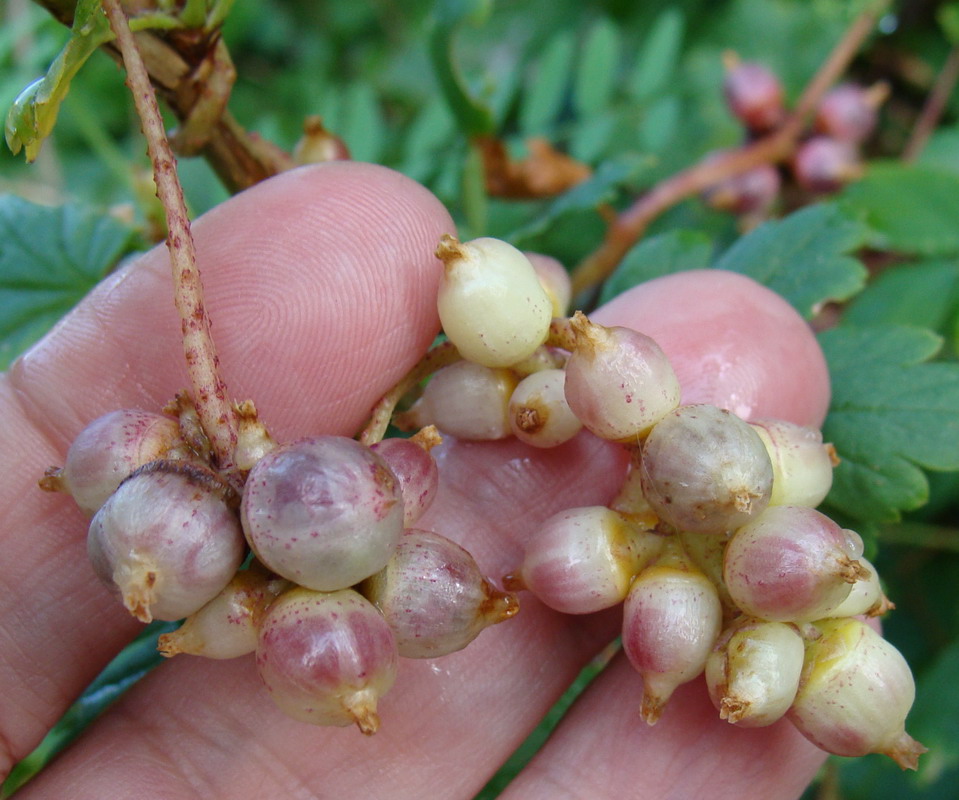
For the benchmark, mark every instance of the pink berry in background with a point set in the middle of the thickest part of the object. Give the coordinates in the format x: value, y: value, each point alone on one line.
x: 747, y: 193
x: 849, y: 112
x: 732, y: 342
x: 754, y: 94
x: 824, y: 164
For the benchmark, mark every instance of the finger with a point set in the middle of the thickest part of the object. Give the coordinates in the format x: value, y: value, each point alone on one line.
x: 195, y: 727
x: 732, y: 342
x: 321, y: 286
x: 603, y: 749
x: 484, y: 699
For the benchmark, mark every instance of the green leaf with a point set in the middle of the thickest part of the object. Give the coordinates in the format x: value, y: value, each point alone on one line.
x: 473, y: 117
x: 803, y: 257
x: 658, y: 125
x: 942, y: 150
x: 49, y: 259
x: 601, y: 188
x: 909, y: 209
x: 674, y: 251
x: 891, y: 414
x: 547, y: 85
x: 948, y: 18
x: 596, y: 78
x: 924, y: 294
x: 659, y: 55
x: 34, y: 112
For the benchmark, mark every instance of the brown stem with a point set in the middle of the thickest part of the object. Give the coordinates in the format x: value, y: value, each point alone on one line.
x: 935, y: 105
x: 178, y: 63
x: 627, y: 228
x: 209, y: 390
x: 560, y: 335
x: 440, y: 356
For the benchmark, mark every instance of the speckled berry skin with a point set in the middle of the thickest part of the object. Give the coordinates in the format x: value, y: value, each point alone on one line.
x: 110, y: 448
x: 324, y: 512
x: 166, y: 540
x: 416, y: 471
x: 326, y: 657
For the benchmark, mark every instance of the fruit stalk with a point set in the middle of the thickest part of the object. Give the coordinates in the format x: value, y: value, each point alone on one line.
x: 209, y: 390
x: 629, y: 226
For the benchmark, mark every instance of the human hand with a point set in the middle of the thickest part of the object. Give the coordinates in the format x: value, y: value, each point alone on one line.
x: 321, y: 286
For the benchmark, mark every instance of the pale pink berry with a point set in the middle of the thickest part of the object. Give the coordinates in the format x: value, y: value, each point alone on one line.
x: 327, y: 657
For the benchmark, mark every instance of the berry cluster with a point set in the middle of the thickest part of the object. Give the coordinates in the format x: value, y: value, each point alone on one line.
x: 712, y: 543
x: 340, y: 584
x: 827, y: 158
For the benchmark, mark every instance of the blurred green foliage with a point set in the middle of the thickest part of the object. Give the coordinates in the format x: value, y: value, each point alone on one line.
x: 633, y: 90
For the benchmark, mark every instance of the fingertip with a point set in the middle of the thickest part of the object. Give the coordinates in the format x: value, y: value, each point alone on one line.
x: 733, y: 342
x: 320, y: 284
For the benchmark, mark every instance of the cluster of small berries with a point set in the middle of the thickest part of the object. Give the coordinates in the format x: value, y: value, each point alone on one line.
x: 340, y: 583
x: 713, y: 544
x: 826, y: 159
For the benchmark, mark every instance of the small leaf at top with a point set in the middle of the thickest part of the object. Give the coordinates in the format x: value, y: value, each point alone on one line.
x: 547, y: 86
x: 909, y: 209
x: 803, y: 257
x: 596, y: 76
x: 659, y: 55
x: 674, y: 251
x: 49, y: 259
x: 892, y: 412
x: 33, y: 114
x: 473, y: 117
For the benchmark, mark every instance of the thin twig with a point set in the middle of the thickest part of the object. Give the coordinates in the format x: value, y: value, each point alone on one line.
x: 935, y: 105
x: 627, y: 228
x: 440, y: 356
x: 209, y: 390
